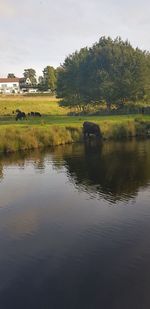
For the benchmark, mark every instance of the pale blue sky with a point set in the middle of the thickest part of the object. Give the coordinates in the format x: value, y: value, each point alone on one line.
x: 36, y: 33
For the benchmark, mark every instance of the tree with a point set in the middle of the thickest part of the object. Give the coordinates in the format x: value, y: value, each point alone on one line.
x: 11, y: 75
x: 31, y: 74
x: 71, y: 80
x: 49, y: 78
x: 111, y: 71
x: 41, y: 85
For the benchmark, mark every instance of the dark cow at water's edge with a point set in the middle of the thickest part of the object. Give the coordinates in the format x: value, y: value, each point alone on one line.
x: 90, y: 128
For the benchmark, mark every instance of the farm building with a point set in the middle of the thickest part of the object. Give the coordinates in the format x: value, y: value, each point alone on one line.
x: 15, y: 85
x: 9, y: 85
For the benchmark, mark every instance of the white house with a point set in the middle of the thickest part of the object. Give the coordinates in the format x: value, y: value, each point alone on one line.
x: 9, y: 85
x: 15, y: 85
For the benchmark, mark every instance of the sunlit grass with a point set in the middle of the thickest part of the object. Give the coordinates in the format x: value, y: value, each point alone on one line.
x: 21, y: 138
x: 25, y: 135
x: 44, y: 105
x: 55, y: 127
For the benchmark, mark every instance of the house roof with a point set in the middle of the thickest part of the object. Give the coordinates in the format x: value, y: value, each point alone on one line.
x: 9, y: 80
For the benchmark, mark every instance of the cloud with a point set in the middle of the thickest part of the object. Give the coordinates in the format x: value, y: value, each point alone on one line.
x: 6, y: 10
x: 42, y: 32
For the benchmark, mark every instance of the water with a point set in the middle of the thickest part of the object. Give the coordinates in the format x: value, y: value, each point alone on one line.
x: 75, y: 227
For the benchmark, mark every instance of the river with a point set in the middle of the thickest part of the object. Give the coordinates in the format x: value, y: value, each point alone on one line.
x: 75, y: 227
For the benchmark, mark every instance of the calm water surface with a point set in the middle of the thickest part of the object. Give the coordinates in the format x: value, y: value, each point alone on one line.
x: 75, y: 228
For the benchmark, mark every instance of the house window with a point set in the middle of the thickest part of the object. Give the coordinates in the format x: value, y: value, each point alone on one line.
x: 14, y: 85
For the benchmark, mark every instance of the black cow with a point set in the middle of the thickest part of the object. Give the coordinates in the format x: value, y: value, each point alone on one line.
x: 18, y: 111
x: 37, y: 114
x: 90, y: 128
x: 34, y: 114
x: 20, y: 116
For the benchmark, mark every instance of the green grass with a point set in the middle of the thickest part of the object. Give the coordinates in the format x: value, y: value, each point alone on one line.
x: 63, y: 120
x: 55, y: 127
x: 58, y: 130
x: 44, y: 105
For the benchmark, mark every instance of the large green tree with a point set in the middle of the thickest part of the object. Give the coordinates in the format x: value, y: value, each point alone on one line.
x: 31, y: 74
x: 111, y: 71
x: 49, y: 78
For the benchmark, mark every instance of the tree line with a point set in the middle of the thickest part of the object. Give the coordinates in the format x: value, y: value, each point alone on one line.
x: 111, y: 71
x: 45, y: 82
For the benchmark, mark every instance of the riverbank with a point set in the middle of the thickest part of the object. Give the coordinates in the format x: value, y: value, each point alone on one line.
x: 32, y: 134
x: 55, y: 127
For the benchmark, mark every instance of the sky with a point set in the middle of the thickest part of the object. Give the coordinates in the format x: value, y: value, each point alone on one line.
x: 37, y: 33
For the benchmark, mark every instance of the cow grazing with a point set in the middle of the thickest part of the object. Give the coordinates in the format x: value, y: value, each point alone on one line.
x: 90, y: 128
x: 37, y: 114
x: 20, y: 116
x: 34, y: 114
x: 18, y: 111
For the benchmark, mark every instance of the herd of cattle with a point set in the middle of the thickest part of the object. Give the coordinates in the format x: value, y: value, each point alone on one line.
x: 89, y: 128
x: 22, y: 115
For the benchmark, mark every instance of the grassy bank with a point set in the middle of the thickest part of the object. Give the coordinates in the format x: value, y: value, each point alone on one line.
x: 55, y: 127
x: 25, y: 135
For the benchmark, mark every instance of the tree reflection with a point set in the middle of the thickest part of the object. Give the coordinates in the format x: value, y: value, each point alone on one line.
x: 19, y: 159
x: 113, y: 170
x: 116, y: 171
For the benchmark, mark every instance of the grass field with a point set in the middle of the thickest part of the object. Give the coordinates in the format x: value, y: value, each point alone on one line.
x: 63, y: 120
x: 55, y: 127
x: 44, y: 105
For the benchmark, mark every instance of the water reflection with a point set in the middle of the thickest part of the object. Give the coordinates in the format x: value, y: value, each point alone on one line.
x: 61, y: 249
x: 114, y: 171
x: 21, y: 159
